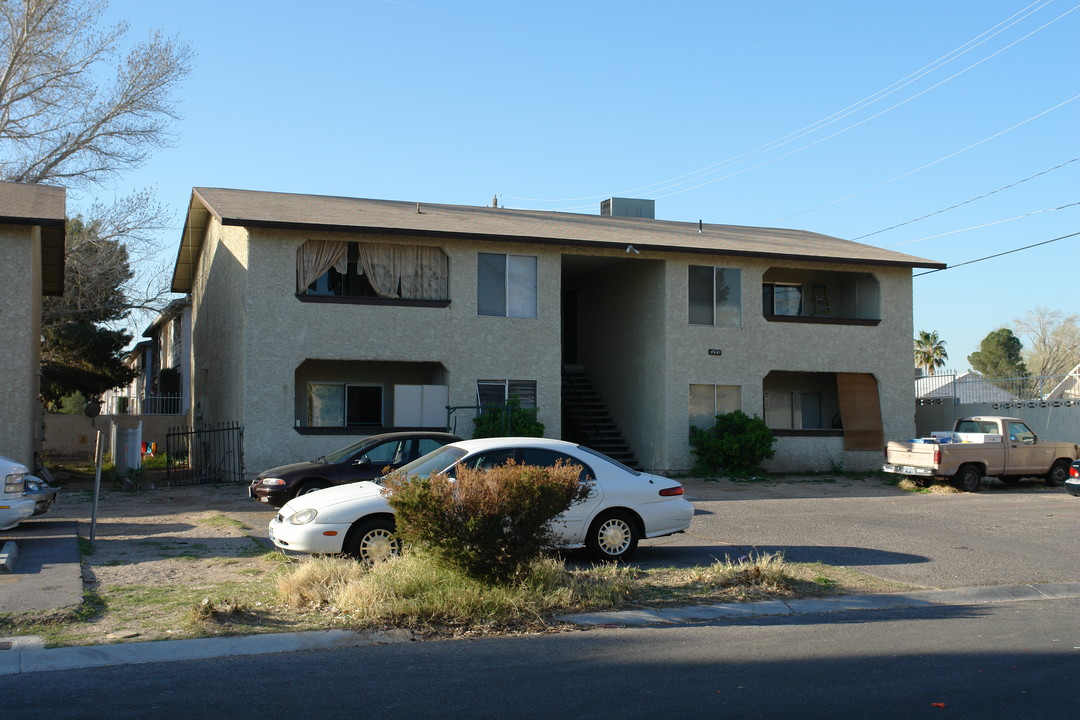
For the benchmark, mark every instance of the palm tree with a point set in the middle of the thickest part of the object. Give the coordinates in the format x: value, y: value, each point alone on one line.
x: 930, y: 351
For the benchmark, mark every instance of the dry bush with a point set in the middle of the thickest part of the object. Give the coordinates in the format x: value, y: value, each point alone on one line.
x: 490, y: 522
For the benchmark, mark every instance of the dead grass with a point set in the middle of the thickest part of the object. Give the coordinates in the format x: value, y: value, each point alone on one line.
x: 938, y: 487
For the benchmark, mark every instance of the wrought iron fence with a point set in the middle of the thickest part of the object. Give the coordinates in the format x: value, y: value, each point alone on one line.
x: 205, y: 455
x: 146, y: 405
x: 964, y: 388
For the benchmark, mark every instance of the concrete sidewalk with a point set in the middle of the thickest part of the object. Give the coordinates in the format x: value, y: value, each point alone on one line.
x: 27, y: 654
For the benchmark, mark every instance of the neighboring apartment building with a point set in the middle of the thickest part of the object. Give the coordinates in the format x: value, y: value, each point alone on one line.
x: 162, y: 382
x: 32, y: 232
x: 316, y: 320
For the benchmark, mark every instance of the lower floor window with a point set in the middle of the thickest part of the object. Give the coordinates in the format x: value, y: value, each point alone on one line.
x: 793, y: 410
x: 340, y: 404
x: 496, y: 392
x: 708, y: 401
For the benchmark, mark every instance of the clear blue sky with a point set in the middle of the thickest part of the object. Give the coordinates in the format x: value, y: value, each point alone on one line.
x: 839, y: 117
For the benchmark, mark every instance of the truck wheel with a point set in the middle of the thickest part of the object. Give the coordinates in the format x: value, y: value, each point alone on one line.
x: 968, y: 478
x: 1059, y: 473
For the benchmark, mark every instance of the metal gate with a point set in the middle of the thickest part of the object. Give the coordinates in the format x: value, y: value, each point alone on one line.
x: 205, y: 455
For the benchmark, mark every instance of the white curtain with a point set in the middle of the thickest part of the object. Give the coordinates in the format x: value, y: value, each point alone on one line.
x: 381, y: 264
x: 420, y: 271
x: 315, y: 257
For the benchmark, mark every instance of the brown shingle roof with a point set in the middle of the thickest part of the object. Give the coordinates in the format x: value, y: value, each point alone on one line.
x: 354, y: 215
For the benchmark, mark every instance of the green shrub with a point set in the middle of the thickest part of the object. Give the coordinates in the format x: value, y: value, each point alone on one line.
x: 735, y: 443
x: 523, y: 423
x: 487, y: 523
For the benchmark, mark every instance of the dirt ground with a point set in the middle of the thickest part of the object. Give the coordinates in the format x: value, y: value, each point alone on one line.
x: 213, y: 534
x: 169, y: 536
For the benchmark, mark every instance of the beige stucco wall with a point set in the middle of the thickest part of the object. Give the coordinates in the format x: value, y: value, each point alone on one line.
x: 750, y: 352
x: 221, y: 315
x: 251, y: 334
x: 245, y: 308
x: 20, y: 341
x: 72, y: 437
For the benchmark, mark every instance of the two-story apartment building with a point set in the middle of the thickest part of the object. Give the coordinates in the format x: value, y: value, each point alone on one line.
x: 161, y: 363
x: 317, y: 319
x: 32, y: 232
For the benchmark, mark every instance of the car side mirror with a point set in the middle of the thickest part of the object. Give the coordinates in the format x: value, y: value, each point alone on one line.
x: 364, y: 460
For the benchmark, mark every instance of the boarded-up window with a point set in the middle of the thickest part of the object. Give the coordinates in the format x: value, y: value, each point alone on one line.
x: 860, y: 409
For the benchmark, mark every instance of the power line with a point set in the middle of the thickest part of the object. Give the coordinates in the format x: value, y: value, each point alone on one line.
x: 991, y: 257
x: 966, y: 202
x: 988, y: 224
x: 836, y: 116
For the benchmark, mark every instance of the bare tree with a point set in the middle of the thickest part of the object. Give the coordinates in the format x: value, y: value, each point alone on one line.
x: 59, y: 124
x: 78, y: 108
x: 1052, y: 339
x: 101, y: 249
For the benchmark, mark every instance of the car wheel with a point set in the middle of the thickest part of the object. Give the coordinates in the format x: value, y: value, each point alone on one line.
x: 1059, y: 473
x: 968, y: 478
x: 371, y: 541
x: 613, y: 536
x: 311, y: 486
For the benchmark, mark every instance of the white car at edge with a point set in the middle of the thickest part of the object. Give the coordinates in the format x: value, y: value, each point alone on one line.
x: 623, y: 506
x: 14, y: 505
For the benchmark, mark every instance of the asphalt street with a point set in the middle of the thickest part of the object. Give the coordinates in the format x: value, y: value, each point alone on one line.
x: 1015, y: 660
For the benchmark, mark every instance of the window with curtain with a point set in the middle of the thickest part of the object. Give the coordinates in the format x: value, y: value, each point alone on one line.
x: 372, y: 270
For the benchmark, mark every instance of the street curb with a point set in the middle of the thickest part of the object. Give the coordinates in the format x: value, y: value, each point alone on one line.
x: 9, y: 553
x: 27, y: 654
x: 842, y: 603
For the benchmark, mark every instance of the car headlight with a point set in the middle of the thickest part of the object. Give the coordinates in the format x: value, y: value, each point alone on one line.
x: 15, y: 483
x: 303, y: 517
x: 272, y: 481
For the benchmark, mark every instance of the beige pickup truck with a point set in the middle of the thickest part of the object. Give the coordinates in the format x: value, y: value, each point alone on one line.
x: 1001, y: 447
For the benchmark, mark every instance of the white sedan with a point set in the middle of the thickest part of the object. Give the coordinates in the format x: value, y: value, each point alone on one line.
x: 623, y: 506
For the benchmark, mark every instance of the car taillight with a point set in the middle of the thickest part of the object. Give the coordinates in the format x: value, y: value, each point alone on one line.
x: 937, y: 455
x: 669, y: 492
x: 1074, y: 471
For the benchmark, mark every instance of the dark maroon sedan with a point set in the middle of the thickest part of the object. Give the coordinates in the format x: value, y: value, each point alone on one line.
x: 364, y: 460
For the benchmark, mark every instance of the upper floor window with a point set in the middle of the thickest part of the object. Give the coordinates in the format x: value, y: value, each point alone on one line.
x: 714, y: 296
x: 328, y: 268
x: 506, y: 285
x: 782, y: 299
x: 820, y: 296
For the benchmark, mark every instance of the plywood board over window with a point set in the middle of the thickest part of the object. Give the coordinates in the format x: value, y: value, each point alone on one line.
x: 860, y: 409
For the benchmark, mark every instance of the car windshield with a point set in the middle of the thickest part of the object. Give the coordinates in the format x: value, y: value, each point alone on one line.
x: 343, y: 453
x: 434, y: 462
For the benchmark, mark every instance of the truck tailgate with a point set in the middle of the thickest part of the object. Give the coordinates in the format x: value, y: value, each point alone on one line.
x: 913, y: 454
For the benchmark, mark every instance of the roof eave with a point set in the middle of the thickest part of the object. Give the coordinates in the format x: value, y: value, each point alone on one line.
x: 563, y: 242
